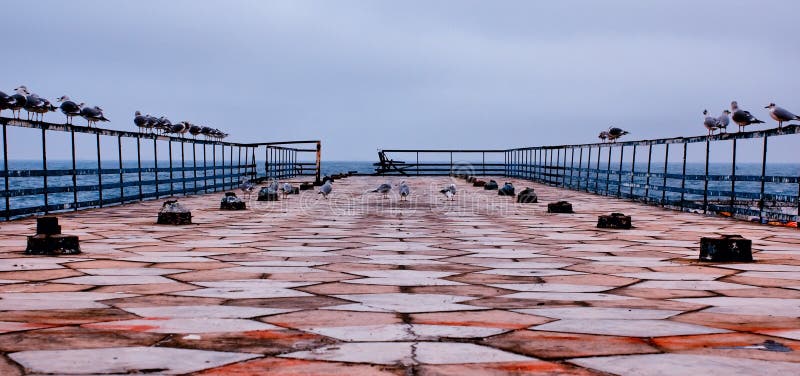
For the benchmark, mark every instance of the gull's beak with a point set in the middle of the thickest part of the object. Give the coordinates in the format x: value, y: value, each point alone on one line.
x: 766, y: 106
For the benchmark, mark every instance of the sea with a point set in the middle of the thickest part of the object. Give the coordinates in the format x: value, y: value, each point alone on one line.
x: 367, y: 167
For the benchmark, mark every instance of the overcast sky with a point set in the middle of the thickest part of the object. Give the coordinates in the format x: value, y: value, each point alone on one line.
x: 361, y: 75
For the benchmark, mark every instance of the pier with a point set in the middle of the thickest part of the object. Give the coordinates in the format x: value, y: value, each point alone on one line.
x: 362, y: 285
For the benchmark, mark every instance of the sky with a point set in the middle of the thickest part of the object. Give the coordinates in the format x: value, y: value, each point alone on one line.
x: 364, y: 75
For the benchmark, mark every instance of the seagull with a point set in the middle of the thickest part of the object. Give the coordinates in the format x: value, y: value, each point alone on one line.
x: 614, y: 133
x: 141, y: 121
x: 36, y: 105
x: 5, y: 101
x: 741, y: 117
x: 93, y: 115
x: 179, y: 128
x: 326, y: 189
x: 723, y: 120
x: 603, y: 136
x: 710, y: 122
x: 273, y: 186
x: 163, y: 124
x: 69, y: 108
x: 194, y: 130
x: 780, y: 115
x: 449, y: 191
x: 404, y: 191
x: 384, y: 189
x: 247, y: 187
x: 20, y: 99
x: 287, y: 189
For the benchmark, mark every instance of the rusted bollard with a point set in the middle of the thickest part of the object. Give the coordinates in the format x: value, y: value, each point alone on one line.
x: 49, y: 240
x: 231, y: 202
x: 527, y: 196
x: 491, y: 185
x: 266, y: 194
x: 173, y: 213
x: 559, y: 207
x: 305, y: 186
x: 478, y: 183
x: 614, y: 220
x: 726, y: 248
x: 507, y: 190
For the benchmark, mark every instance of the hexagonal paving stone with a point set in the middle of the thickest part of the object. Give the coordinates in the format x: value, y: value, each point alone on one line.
x: 686, y: 364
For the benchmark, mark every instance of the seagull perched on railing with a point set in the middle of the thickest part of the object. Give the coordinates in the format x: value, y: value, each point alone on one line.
x: 603, y: 136
x: 780, y: 115
x: 6, y: 101
x: 723, y: 120
x: 741, y: 117
x: 38, y: 106
x: 384, y: 189
x: 93, y: 115
x: 614, y: 133
x: 194, y: 130
x: 404, y: 190
x: 449, y: 191
x: 20, y: 99
x: 326, y: 189
x: 69, y: 108
x: 710, y: 122
x: 141, y: 121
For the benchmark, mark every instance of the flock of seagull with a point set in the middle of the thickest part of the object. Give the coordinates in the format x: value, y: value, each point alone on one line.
x: 744, y: 118
x: 37, y: 107
x: 326, y: 189
x: 162, y: 125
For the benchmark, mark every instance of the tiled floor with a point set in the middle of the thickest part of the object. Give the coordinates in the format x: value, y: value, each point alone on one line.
x: 362, y: 285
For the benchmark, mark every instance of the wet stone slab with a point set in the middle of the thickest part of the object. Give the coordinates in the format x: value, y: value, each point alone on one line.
x: 356, y: 284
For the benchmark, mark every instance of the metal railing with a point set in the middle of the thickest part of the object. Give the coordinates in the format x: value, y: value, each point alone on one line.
x: 201, y: 166
x: 631, y: 170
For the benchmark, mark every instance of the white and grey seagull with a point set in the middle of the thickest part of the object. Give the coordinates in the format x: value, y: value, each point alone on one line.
x: 710, y: 122
x: 723, y: 120
x: 780, y: 115
x: 92, y: 115
x: 287, y: 189
x: 741, y: 117
x: 384, y: 189
x: 326, y: 189
x: 404, y: 190
x: 449, y: 192
x: 69, y: 108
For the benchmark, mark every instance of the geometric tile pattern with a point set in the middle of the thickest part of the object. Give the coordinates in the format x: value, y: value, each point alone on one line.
x: 358, y: 284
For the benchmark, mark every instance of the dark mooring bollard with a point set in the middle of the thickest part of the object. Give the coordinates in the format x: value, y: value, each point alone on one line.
x: 266, y: 194
x: 231, y: 202
x: 478, y: 183
x: 507, y: 190
x: 491, y: 185
x: 470, y: 179
x: 527, y: 196
x: 49, y: 240
x: 726, y: 248
x: 173, y: 213
x: 306, y: 186
x: 559, y: 207
x: 614, y: 220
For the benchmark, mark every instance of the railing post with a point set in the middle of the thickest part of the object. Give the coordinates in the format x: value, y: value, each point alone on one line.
x: 733, y: 182
x: 319, y: 161
x: 121, y: 178
x: 214, y: 164
x: 580, y: 168
x: 571, y: 165
x: 5, y: 168
x: 171, y: 176
x: 183, y: 167
x: 633, y: 173
x: 588, y: 167
x: 761, y: 201
x: 597, y: 171
x: 139, y: 165
x: 44, y: 168
x: 205, y: 169
x: 647, y: 181
x: 99, y: 171
x: 74, y: 171
x: 155, y: 162
x: 230, y: 167
x: 619, y: 171
x: 664, y: 180
x: 683, y: 175
x: 705, y: 180
x: 608, y: 170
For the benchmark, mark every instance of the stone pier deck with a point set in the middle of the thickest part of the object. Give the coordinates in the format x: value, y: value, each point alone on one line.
x: 361, y: 285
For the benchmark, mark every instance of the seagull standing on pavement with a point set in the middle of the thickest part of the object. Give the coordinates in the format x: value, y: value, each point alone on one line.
x: 404, y: 191
x: 287, y: 189
x: 384, y: 189
x: 780, y: 115
x: 449, y: 192
x: 326, y: 189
